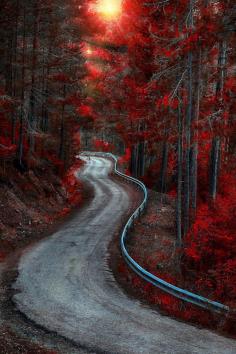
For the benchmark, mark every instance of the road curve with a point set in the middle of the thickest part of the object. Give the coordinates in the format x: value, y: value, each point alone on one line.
x: 64, y: 285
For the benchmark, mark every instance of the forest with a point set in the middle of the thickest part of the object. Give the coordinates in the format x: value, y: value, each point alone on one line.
x: 153, y: 82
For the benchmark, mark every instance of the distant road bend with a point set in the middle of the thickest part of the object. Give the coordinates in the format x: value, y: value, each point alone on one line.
x: 64, y: 284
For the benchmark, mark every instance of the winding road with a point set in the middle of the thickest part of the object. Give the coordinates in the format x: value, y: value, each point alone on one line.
x: 64, y: 284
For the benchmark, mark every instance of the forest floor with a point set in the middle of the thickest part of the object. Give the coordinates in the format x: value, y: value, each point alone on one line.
x: 152, y: 244
x: 33, y: 205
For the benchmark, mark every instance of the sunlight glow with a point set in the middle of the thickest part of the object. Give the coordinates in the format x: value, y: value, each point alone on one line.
x: 109, y: 9
x: 89, y: 51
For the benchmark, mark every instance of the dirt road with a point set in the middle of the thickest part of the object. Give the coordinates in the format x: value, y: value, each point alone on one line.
x: 64, y: 284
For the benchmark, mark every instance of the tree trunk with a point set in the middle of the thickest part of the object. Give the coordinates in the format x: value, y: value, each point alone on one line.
x: 216, y: 143
x: 134, y: 160
x: 194, y: 149
x: 179, y: 181
x: 214, y: 166
x: 45, y: 123
x: 21, y: 130
x: 222, y: 68
x: 164, y: 166
x: 187, y: 153
x: 62, y: 130
x: 188, y: 133
x: 32, y: 118
x: 141, y: 154
x: 8, y: 65
x: 14, y: 73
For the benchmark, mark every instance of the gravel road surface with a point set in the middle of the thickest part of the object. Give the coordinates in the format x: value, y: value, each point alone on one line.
x: 64, y: 284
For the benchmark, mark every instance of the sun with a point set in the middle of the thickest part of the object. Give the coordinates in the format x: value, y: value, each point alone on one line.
x: 89, y: 51
x: 109, y: 9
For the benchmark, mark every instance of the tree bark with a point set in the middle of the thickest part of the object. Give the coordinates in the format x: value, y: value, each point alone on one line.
x: 14, y: 73
x: 214, y: 167
x: 180, y: 179
x: 21, y: 130
x: 62, y: 130
x: 216, y: 142
x: 188, y: 133
x: 194, y: 148
x: 32, y: 118
x: 164, y: 166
